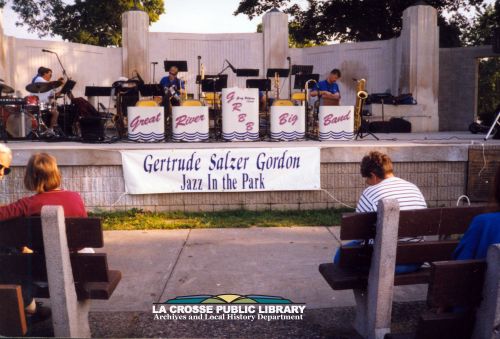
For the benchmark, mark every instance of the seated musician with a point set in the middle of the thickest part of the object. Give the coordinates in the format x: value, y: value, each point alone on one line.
x: 173, y: 87
x: 44, y: 75
x: 328, y: 90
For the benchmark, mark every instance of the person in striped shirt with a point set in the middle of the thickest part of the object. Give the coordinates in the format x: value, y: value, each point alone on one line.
x: 377, y: 168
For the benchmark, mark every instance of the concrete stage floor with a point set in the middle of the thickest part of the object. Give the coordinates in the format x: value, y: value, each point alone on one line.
x: 439, y: 146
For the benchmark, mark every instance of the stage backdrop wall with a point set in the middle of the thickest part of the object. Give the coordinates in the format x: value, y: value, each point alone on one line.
x: 242, y: 50
x: 87, y: 65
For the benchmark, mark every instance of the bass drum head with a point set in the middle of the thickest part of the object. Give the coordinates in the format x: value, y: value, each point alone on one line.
x: 15, y: 126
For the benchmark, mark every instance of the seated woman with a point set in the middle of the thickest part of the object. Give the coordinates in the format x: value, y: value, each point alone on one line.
x: 483, y: 231
x: 43, y: 177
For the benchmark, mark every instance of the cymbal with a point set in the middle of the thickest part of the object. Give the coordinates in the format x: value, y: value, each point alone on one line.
x: 42, y: 87
x: 6, y: 89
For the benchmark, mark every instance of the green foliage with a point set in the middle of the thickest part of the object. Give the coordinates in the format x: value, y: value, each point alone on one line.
x: 139, y: 220
x: 94, y: 22
x: 353, y: 20
x: 488, y: 89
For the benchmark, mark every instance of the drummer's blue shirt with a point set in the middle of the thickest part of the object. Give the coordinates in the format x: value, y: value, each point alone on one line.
x: 326, y: 86
x: 483, y: 231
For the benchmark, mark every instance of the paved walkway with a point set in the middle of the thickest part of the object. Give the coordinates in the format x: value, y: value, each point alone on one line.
x: 159, y: 265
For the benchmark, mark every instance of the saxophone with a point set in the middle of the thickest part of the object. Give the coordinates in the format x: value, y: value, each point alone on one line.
x: 277, y: 86
x: 361, y: 96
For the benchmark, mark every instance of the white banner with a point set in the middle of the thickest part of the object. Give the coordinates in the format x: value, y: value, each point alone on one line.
x: 221, y: 170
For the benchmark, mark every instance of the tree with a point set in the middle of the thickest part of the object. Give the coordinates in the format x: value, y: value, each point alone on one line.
x: 94, y: 22
x: 480, y: 33
x: 356, y: 20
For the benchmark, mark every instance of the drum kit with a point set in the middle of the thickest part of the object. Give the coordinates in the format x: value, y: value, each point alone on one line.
x: 24, y: 117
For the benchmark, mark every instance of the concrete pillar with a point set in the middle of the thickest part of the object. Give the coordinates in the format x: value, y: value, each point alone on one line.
x: 419, y: 70
x: 3, y: 50
x: 374, y: 306
x: 488, y: 315
x: 69, y: 316
x: 135, y: 44
x: 275, y: 30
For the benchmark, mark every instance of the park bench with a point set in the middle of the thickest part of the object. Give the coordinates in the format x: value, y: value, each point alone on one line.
x: 69, y: 279
x: 462, y: 297
x: 373, y: 287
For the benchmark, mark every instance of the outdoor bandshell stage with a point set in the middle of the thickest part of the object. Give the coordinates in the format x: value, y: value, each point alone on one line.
x: 260, y: 94
x: 444, y: 165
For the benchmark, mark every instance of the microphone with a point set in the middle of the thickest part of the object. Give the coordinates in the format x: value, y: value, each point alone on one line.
x: 231, y: 66
x: 47, y: 51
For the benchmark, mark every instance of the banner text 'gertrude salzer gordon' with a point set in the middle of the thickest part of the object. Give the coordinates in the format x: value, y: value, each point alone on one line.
x: 221, y: 170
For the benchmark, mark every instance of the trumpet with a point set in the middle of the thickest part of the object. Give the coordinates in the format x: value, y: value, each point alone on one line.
x: 361, y: 96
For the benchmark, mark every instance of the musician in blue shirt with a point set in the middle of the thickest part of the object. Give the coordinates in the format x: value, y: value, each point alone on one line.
x: 173, y: 87
x: 328, y: 90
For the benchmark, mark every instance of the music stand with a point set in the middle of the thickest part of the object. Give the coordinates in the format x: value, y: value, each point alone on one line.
x: 181, y: 65
x: 264, y: 85
x: 282, y: 72
x: 301, y: 79
x: 214, y: 83
x: 97, y: 91
x: 68, y: 87
x: 151, y: 90
x: 302, y: 69
x: 66, y: 90
x: 247, y: 72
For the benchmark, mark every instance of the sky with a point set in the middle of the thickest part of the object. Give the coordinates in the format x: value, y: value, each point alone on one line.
x: 186, y: 16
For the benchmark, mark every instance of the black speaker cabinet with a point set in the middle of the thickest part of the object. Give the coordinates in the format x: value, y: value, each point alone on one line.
x: 399, y: 125
x: 92, y: 129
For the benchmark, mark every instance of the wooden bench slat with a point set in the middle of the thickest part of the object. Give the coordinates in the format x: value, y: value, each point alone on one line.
x: 80, y: 232
x: 406, y: 253
x: 456, y: 283
x: 424, y: 222
x: 31, y: 267
x: 341, y: 279
x: 12, y: 317
x: 418, y: 252
x: 100, y: 290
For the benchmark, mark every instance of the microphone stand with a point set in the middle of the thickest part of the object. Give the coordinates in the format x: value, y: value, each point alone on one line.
x: 215, y: 79
x: 199, y: 73
x: 64, y: 96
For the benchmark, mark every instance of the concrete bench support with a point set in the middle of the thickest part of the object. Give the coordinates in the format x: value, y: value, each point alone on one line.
x: 69, y: 316
x: 488, y: 315
x: 374, y: 305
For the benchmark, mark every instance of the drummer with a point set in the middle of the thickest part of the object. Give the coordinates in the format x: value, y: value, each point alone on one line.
x: 44, y: 75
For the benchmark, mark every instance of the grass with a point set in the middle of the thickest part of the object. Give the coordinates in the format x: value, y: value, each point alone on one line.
x: 137, y: 219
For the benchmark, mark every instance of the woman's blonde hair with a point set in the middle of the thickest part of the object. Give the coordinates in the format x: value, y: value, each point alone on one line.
x: 42, y: 174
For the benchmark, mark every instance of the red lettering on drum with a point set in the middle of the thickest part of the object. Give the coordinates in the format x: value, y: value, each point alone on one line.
x: 288, y: 118
x: 242, y: 117
x: 184, y: 120
x: 139, y: 121
x: 330, y: 119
